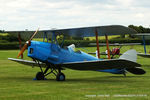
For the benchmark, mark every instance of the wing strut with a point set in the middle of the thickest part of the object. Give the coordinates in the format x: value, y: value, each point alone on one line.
x: 107, y: 43
x: 144, y: 44
x: 97, y: 43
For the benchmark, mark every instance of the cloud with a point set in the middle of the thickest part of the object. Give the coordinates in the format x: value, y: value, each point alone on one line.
x: 31, y: 14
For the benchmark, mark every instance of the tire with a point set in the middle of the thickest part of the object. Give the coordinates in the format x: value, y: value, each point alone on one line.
x: 40, y: 76
x: 60, y: 77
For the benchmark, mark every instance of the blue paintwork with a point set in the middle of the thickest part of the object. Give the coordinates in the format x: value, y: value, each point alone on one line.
x: 53, y: 53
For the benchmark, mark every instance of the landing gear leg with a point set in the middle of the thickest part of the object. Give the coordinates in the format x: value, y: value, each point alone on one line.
x: 53, y: 70
x: 124, y: 74
x: 60, y: 76
x: 40, y: 75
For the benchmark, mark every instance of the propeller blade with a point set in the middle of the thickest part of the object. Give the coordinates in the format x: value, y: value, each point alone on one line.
x: 26, y: 44
x: 34, y: 34
x: 20, y: 45
x: 22, y: 50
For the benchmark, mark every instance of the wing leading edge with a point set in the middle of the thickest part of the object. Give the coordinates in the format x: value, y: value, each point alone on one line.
x: 27, y: 62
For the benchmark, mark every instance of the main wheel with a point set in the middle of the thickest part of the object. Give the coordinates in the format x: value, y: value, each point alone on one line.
x: 40, y: 76
x: 60, y: 77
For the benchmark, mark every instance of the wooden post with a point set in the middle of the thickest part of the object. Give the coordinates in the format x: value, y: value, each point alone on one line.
x: 107, y: 43
x: 97, y: 43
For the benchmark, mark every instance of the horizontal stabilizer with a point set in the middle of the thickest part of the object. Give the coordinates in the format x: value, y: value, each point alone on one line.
x: 137, y: 71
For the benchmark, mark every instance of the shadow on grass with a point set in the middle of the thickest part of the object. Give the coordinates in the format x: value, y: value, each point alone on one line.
x: 101, y: 79
x: 107, y: 79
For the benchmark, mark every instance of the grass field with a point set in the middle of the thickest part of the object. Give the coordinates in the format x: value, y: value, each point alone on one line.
x: 16, y: 82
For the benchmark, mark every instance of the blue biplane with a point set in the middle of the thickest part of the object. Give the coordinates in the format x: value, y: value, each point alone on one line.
x: 55, y: 58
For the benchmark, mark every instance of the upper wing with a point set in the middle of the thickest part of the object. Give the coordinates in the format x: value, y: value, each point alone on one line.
x: 101, y: 64
x: 90, y: 31
x: 27, y: 62
x: 78, y: 32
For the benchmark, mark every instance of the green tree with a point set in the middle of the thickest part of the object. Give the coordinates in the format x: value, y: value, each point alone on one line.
x: 140, y: 29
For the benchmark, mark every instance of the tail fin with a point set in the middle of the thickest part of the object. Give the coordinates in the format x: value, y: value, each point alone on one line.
x: 130, y: 55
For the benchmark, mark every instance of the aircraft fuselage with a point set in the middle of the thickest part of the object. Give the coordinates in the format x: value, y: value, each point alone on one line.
x: 53, y: 53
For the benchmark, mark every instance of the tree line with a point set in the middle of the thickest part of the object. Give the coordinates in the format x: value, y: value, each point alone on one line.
x: 140, y: 29
x: 2, y: 31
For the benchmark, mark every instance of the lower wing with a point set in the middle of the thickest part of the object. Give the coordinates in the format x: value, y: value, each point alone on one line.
x: 27, y: 62
x: 130, y: 66
x: 87, y: 65
x: 101, y: 64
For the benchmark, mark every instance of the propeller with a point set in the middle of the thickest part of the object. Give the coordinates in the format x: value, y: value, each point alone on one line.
x: 27, y: 43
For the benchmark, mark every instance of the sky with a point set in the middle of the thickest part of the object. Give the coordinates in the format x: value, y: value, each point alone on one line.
x: 48, y: 14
